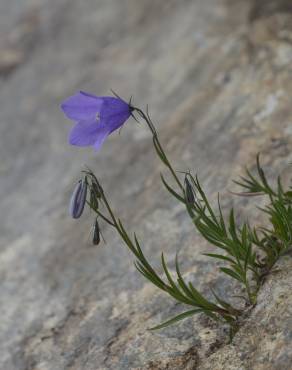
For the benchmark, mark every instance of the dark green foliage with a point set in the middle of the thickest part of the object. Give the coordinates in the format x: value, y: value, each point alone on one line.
x: 275, y: 239
x: 248, y: 253
x: 179, y: 289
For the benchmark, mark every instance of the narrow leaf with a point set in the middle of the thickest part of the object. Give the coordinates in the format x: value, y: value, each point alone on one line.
x: 176, y: 319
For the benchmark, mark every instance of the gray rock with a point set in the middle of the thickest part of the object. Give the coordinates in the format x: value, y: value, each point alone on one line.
x: 217, y: 77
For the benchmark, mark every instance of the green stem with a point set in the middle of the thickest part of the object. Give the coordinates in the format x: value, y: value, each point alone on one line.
x: 251, y: 296
x: 149, y: 123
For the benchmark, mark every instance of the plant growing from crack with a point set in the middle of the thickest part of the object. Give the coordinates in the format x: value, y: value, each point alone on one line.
x: 248, y: 253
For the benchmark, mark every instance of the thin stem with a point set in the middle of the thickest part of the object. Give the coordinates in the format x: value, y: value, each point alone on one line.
x: 248, y: 291
x: 115, y: 223
x: 100, y: 214
x: 105, y: 218
x: 148, y: 121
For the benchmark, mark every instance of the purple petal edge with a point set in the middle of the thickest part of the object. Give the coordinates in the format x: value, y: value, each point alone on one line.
x: 81, y: 106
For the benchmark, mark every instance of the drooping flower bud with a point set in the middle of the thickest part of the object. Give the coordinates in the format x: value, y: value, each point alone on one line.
x: 96, y: 189
x: 93, y: 200
x: 189, y: 192
x: 96, y: 233
x: 78, y: 199
x: 95, y: 195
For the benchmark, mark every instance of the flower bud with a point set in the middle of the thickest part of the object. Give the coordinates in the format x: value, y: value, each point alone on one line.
x: 189, y: 192
x: 78, y: 199
x: 96, y: 233
x: 93, y: 200
x: 96, y: 189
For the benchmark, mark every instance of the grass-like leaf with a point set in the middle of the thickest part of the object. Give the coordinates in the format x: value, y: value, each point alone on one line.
x: 177, y: 318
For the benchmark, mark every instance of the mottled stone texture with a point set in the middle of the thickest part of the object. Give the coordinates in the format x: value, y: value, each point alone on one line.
x: 217, y: 77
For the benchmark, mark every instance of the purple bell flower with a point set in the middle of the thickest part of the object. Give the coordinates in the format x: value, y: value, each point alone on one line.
x: 96, y: 117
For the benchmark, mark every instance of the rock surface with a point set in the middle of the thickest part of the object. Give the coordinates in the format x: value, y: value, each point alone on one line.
x: 217, y: 77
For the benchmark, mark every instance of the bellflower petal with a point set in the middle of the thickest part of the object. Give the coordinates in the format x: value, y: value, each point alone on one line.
x: 82, y: 106
x: 114, y: 113
x: 114, y: 107
x: 102, y: 135
x: 84, y: 133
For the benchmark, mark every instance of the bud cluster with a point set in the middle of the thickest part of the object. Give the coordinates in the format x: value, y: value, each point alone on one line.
x: 87, y: 187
